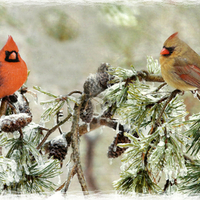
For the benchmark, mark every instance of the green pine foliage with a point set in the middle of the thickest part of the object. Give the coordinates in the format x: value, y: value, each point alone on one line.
x: 54, y: 105
x: 24, y: 169
x: 194, y: 134
x: 160, y: 147
x: 190, y: 183
x: 24, y: 165
x: 140, y: 182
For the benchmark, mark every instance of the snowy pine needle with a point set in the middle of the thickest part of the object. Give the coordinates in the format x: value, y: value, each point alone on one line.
x: 153, y: 65
x: 158, y: 148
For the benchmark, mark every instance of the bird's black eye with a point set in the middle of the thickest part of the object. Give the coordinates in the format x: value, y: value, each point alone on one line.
x: 11, y: 56
x: 170, y: 49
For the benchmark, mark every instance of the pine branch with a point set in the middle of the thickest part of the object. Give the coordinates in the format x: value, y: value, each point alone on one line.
x: 76, y: 132
x: 75, y: 146
x: 172, y: 95
x: 159, y: 101
x: 64, y: 187
x: 169, y: 98
x: 101, y: 121
x: 161, y: 86
x: 190, y: 181
x: 97, y: 122
x: 63, y: 97
x: 144, y: 75
x: 143, y: 104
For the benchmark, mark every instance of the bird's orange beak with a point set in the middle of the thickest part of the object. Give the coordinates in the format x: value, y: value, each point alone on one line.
x: 164, y: 51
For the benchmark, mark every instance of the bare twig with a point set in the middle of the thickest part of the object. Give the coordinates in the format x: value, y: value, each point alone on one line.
x: 64, y: 97
x: 75, y: 91
x: 52, y: 130
x: 58, y: 115
x: 144, y: 75
x: 98, y: 122
x: 69, y: 178
x: 64, y: 187
x: 162, y: 85
x: 43, y: 128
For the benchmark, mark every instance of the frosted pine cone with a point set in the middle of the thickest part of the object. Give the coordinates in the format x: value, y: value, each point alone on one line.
x: 96, y: 83
x: 91, y: 86
x: 115, y: 151
x: 103, y: 77
x: 14, y: 122
x: 57, y: 148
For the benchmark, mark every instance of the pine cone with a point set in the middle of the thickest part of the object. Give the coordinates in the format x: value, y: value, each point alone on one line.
x: 57, y: 148
x: 96, y: 83
x: 115, y: 151
x: 91, y: 86
x: 14, y: 122
x: 86, y: 112
x: 103, y: 77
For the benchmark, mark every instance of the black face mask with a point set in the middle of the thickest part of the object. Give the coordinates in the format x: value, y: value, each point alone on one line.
x: 8, y: 59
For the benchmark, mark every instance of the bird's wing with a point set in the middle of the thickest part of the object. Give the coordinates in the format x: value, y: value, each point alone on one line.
x: 190, y: 74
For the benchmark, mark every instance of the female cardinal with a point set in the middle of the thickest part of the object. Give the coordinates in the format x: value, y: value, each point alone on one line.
x: 13, y: 70
x: 180, y: 65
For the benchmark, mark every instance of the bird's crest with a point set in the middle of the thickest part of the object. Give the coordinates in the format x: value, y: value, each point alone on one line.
x: 10, y: 45
x: 172, y: 36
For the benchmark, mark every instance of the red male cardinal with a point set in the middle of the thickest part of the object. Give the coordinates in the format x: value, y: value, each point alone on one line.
x: 180, y: 65
x: 13, y: 70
